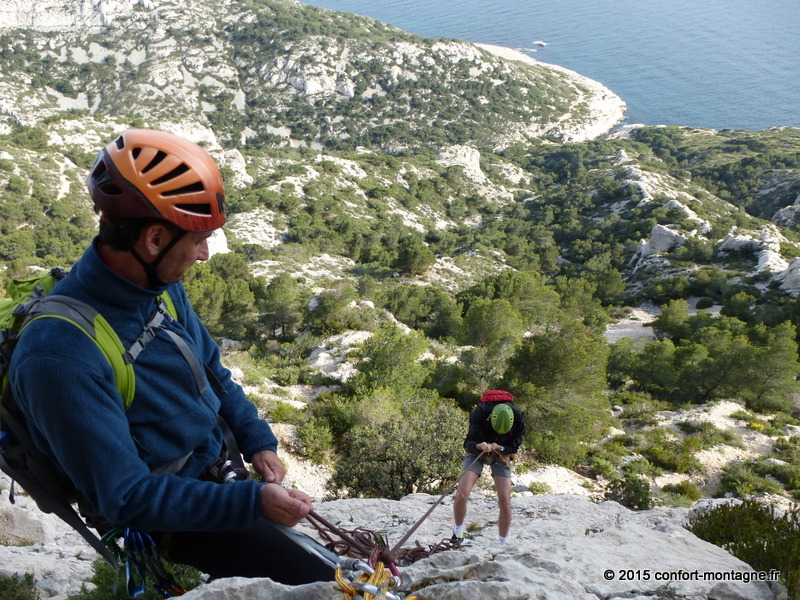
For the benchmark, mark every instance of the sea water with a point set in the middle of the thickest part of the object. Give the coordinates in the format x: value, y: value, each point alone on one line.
x: 721, y: 64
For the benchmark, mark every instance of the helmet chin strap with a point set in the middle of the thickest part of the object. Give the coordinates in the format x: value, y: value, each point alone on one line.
x: 151, y: 268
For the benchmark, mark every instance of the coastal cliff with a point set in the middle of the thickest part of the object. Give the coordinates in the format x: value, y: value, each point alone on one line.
x: 279, y: 69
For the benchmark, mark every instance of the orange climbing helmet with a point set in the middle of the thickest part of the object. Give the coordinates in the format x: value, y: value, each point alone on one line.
x: 148, y: 174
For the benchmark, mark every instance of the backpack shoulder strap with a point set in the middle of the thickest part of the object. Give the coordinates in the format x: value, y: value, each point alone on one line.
x: 168, y: 304
x: 155, y: 323
x: 92, y: 323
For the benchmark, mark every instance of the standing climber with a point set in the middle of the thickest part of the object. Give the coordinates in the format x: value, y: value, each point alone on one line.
x: 495, y: 433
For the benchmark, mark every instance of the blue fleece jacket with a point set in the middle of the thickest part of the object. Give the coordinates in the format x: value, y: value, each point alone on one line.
x: 66, y: 388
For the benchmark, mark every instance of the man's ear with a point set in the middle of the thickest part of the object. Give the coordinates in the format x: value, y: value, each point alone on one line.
x: 152, y: 240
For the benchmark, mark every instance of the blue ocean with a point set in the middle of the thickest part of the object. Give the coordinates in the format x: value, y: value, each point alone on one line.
x: 721, y: 64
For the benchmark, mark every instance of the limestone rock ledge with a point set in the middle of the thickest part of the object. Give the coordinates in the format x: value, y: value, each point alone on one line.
x: 562, y: 547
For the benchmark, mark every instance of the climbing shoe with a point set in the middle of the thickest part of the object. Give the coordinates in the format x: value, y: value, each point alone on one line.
x: 456, y: 541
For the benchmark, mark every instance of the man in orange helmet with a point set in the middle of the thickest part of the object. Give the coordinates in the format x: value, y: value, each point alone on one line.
x: 159, y: 463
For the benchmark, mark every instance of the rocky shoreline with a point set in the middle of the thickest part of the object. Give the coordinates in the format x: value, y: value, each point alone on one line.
x: 605, y: 110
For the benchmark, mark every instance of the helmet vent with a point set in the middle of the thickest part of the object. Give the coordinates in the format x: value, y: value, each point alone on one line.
x: 175, y: 173
x: 149, y: 174
x: 155, y: 162
x: 103, y: 180
x: 192, y: 188
x: 198, y: 209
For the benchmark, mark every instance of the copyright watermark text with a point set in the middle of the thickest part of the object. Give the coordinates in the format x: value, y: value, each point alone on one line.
x: 696, y: 575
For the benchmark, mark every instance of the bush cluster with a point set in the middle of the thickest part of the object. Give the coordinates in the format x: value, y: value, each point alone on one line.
x: 758, y: 534
x: 19, y: 587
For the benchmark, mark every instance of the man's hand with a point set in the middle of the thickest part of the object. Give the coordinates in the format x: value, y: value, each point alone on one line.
x: 283, y: 506
x: 487, y: 447
x: 269, y: 466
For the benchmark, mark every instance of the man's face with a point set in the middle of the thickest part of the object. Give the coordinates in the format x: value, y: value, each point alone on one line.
x: 191, y: 248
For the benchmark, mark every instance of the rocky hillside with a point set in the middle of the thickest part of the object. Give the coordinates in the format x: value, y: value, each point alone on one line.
x: 396, y: 174
x: 260, y: 70
x: 428, y: 138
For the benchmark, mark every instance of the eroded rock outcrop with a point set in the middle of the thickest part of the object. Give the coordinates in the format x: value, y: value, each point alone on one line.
x: 562, y: 546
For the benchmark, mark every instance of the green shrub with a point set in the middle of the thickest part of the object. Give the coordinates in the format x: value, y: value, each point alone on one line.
x: 742, y: 481
x: 771, y: 427
x: 684, y: 494
x: 631, y: 491
x: 709, y: 435
x: 742, y: 415
x: 255, y: 376
x: 787, y: 449
x: 316, y: 439
x: 601, y: 467
x: 539, y: 487
x: 283, y: 412
x: 642, y: 466
x: 781, y: 419
x: 384, y: 462
x: 604, y: 459
x: 788, y: 475
x: 704, y: 303
x: 18, y: 587
x: 664, y: 451
x: 286, y: 376
x: 259, y: 400
x: 755, y: 533
x: 684, y: 488
x: 638, y: 408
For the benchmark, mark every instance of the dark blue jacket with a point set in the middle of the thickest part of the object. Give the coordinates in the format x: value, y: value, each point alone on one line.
x: 66, y: 388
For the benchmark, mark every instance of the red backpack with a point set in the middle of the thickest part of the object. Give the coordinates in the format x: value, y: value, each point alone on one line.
x: 496, y: 396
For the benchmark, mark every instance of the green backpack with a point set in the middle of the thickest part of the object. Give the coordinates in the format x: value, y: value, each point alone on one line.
x: 29, y: 300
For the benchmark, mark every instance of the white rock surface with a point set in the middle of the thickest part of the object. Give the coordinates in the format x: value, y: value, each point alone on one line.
x: 662, y: 239
x: 765, y: 246
x: 57, y: 15
x: 58, y: 557
x: 561, y: 546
